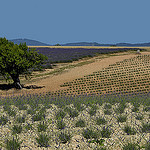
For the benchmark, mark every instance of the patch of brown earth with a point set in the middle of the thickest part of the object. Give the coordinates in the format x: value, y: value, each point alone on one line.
x: 53, y: 82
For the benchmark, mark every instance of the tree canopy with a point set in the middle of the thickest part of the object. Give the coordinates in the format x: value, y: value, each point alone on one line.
x: 18, y: 59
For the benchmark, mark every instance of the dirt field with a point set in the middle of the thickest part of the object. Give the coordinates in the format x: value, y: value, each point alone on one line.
x: 53, y: 82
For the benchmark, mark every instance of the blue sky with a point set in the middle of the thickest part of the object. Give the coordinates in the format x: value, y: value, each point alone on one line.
x: 66, y: 21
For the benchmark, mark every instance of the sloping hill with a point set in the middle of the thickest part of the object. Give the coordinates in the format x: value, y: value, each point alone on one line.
x: 29, y: 42
x: 127, y: 76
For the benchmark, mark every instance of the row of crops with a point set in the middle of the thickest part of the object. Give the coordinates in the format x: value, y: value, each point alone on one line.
x: 103, y: 122
x: 127, y: 76
x: 58, y: 55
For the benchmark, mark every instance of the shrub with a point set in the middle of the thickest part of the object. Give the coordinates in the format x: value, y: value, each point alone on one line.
x: 120, y: 109
x: 28, y: 126
x: 131, y: 146
x: 64, y: 137
x: 122, y: 118
x: 16, y: 129
x: 13, y: 144
x: 89, y: 134
x: 100, y: 121
x: 42, y: 127
x: 3, y: 120
x: 129, y: 130
x: 11, y: 112
x: 107, y: 112
x: 72, y: 113
x: 92, y: 111
x: 38, y: 117
x: 21, y: 119
x: 135, y: 109
x: 105, y: 132
x: 60, y: 124
x: 147, y: 108
x: 31, y: 111
x: 147, y: 146
x: 146, y: 127
x: 43, y: 140
x: 6, y: 107
x: 22, y: 107
x: 80, y: 123
x: 78, y: 106
x: 139, y: 117
x: 108, y: 106
x: 60, y: 114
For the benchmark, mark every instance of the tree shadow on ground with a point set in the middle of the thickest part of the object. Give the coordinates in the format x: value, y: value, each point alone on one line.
x: 11, y: 86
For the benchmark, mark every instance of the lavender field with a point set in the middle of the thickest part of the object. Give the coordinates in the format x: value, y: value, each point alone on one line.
x: 77, y: 122
x: 58, y: 55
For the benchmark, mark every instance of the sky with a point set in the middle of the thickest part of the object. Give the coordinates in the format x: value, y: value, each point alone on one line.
x: 68, y: 21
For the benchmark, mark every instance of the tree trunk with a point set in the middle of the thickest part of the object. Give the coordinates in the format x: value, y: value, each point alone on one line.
x: 16, y: 80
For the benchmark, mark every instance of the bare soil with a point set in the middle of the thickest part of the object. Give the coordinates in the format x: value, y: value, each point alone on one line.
x: 52, y: 82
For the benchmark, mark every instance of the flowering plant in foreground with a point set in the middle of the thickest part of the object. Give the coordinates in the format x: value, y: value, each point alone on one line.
x: 59, y: 122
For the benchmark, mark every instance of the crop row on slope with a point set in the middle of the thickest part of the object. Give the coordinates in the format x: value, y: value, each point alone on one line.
x: 130, y: 75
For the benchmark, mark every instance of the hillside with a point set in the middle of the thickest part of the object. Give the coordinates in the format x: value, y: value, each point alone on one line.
x: 29, y: 42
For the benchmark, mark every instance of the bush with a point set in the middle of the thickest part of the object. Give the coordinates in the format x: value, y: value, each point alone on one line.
x: 16, y: 129
x: 64, y: 137
x: 131, y: 146
x: 60, y: 114
x: 107, y: 112
x: 28, y: 126
x: 121, y: 118
x: 13, y: 144
x: 21, y: 119
x: 105, y: 132
x: 43, y: 140
x: 72, y: 113
x: 22, y: 107
x: 100, y: 121
x: 42, y: 127
x: 147, y: 146
x: 120, y: 109
x: 129, y: 130
x: 92, y: 111
x: 60, y: 124
x: 38, y: 117
x: 80, y: 123
x: 147, y: 108
x: 89, y: 134
x: 139, y: 117
x: 146, y: 127
x: 3, y: 120
x: 108, y: 106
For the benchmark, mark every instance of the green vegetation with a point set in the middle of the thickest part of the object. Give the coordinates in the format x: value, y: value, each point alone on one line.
x: 17, y: 59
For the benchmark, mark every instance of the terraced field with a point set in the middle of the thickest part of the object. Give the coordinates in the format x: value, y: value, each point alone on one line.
x: 127, y: 76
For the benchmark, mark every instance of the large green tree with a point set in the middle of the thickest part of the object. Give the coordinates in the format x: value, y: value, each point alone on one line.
x: 18, y: 59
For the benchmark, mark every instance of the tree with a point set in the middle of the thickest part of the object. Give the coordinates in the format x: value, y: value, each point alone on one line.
x: 18, y: 59
x: 57, y: 45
